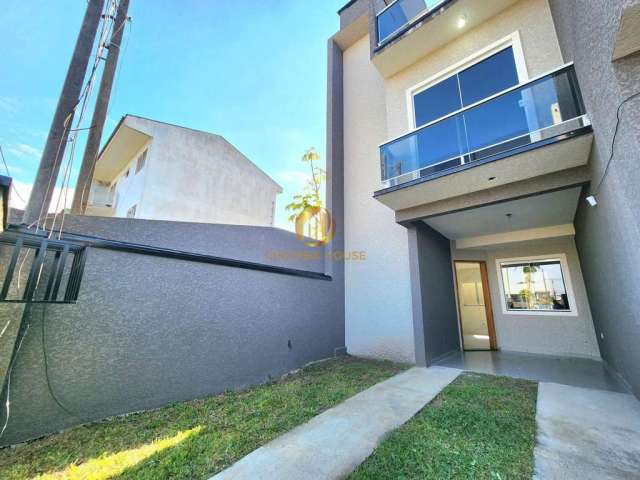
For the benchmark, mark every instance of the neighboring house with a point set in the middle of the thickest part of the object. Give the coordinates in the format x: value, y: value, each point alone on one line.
x: 157, y: 171
x: 462, y: 131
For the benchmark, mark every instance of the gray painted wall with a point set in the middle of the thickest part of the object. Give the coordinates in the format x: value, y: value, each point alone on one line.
x: 147, y: 331
x: 608, y: 236
x: 434, y: 306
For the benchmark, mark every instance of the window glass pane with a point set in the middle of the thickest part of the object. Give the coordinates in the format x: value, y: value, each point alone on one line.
x: 437, y: 101
x: 399, y: 14
x: 501, y: 119
x: 440, y: 142
x: 535, y: 286
x: 488, y: 77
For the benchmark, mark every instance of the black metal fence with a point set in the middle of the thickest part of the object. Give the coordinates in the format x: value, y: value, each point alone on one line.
x: 40, y: 270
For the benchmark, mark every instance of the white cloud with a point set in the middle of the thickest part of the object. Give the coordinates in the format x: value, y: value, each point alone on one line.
x: 24, y: 190
x: 24, y: 150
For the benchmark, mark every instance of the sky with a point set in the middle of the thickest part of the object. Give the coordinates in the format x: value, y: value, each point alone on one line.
x: 253, y: 71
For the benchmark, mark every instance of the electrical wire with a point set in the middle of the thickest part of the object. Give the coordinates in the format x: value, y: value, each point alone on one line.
x: 55, y: 398
x: 8, y: 401
x: 15, y: 190
x: 127, y: 20
x: 46, y: 365
x: 107, y: 28
x: 69, y: 118
x: 613, y: 141
x: 108, y: 32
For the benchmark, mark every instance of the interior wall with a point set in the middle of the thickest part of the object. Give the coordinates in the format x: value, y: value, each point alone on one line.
x: 561, y: 335
x: 608, y: 236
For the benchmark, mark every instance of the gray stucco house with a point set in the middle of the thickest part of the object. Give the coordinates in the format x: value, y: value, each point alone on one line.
x: 468, y: 136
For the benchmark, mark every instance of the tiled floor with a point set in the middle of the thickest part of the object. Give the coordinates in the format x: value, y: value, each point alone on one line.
x: 578, y: 372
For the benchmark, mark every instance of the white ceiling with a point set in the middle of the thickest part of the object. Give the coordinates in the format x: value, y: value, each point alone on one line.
x: 544, y: 210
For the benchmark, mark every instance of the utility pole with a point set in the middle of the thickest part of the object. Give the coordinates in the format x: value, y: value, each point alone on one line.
x: 83, y: 185
x: 54, y: 149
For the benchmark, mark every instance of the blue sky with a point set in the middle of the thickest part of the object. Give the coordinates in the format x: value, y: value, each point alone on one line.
x: 253, y: 71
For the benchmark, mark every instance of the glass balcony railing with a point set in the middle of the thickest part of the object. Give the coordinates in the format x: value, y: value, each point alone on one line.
x: 400, y: 13
x: 522, y: 115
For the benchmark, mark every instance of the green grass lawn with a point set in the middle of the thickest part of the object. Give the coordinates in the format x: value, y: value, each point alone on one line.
x: 192, y: 439
x: 479, y: 427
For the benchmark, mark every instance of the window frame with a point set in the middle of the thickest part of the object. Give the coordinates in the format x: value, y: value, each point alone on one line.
x: 566, y: 275
x: 131, y: 211
x: 513, y: 40
x: 141, y: 160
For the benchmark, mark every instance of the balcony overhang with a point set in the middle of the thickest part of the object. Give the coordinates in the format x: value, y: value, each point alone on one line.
x: 525, y: 219
x: 121, y: 147
x: 431, y: 30
x: 554, y: 154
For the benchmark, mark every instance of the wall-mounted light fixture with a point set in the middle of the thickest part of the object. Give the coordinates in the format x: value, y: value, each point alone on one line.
x: 462, y: 21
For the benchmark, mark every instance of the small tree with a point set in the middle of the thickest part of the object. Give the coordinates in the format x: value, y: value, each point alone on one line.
x: 311, y: 193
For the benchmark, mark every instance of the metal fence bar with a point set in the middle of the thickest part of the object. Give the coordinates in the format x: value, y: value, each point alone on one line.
x: 34, y: 274
x: 12, y: 266
x: 63, y: 259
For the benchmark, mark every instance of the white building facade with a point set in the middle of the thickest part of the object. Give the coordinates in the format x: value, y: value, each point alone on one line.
x: 157, y: 171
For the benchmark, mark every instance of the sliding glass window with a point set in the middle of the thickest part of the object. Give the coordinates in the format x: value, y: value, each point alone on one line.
x: 488, y: 77
x: 537, y: 286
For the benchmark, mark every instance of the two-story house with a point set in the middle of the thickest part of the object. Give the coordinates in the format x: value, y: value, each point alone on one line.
x: 463, y: 150
x: 158, y: 171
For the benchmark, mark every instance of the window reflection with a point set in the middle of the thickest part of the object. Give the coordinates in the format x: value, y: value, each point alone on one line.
x: 535, y: 286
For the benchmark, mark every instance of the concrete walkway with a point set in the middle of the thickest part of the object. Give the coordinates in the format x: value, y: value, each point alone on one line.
x: 334, y: 443
x: 586, y: 434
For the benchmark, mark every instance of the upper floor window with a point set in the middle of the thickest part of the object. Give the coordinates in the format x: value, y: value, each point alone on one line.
x: 141, y: 161
x: 466, y: 87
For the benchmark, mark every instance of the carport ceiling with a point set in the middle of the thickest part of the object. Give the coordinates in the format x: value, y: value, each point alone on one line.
x: 555, y: 208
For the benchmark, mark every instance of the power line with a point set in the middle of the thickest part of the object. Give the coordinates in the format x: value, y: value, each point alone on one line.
x: 71, y: 90
x: 613, y: 141
x: 15, y: 190
x: 101, y: 109
x: 68, y: 121
x: 46, y: 364
x: 83, y: 101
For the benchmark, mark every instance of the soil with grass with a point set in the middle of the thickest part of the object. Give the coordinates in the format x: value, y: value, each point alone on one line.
x: 478, y: 427
x: 193, y: 439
